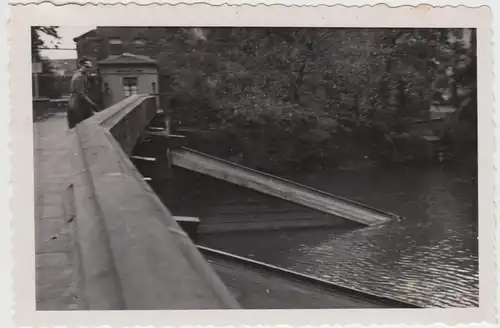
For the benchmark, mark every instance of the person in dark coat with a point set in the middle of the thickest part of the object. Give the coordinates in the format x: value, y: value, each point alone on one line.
x: 80, y: 106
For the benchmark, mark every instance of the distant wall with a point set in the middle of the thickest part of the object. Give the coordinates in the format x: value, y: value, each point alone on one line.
x: 132, y: 253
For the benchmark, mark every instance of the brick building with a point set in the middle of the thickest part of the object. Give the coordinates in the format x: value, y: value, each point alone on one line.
x: 102, y: 42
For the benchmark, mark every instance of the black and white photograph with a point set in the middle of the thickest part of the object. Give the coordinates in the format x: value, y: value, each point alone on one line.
x: 256, y: 167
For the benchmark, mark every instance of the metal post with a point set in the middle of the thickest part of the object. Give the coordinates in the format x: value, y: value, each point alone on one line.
x: 169, y: 172
x: 36, y: 69
x: 37, y: 88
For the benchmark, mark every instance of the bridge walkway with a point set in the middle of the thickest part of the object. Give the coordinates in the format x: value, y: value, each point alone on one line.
x: 55, y: 274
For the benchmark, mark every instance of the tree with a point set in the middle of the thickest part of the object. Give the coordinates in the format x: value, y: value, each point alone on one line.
x: 37, y: 43
x: 48, y: 86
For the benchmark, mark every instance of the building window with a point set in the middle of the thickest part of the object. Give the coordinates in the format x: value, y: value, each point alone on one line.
x: 139, y: 42
x: 139, y: 46
x: 129, y: 86
x: 115, y: 46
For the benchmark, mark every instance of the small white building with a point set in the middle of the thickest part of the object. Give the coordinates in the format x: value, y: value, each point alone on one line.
x: 127, y: 74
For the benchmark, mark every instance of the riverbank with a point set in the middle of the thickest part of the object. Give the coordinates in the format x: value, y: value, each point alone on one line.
x: 346, y: 151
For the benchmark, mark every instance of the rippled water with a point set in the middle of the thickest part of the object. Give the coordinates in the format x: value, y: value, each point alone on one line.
x: 429, y: 259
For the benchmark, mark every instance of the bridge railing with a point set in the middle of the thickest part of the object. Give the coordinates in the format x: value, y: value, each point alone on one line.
x: 131, y: 252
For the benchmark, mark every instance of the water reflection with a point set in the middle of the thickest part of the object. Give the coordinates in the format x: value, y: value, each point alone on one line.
x: 429, y: 259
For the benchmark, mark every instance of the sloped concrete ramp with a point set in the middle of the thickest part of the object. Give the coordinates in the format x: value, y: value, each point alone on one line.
x: 278, y: 187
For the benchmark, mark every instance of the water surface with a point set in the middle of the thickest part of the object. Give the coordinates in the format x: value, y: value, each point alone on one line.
x: 428, y: 259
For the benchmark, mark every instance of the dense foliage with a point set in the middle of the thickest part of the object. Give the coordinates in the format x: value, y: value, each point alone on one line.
x: 286, y: 97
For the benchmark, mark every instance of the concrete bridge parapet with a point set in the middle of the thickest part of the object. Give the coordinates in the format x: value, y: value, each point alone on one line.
x: 131, y: 252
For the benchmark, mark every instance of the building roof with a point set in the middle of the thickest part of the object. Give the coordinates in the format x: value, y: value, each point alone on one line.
x: 86, y: 34
x: 127, y: 58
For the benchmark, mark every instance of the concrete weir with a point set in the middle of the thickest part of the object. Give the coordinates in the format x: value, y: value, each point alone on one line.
x: 132, y: 254
x: 278, y: 187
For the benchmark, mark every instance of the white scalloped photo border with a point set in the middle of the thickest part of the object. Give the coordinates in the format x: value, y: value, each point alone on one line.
x: 18, y: 238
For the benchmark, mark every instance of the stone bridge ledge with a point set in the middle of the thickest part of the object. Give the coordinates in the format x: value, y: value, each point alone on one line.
x: 130, y: 252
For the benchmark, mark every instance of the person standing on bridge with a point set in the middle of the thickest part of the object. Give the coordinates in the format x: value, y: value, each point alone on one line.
x: 80, y: 106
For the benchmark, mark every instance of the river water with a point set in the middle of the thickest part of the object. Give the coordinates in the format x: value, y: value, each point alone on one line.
x: 429, y: 259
